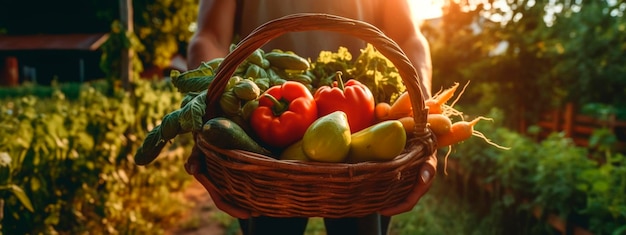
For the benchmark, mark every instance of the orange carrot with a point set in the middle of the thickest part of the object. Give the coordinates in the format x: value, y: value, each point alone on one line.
x: 463, y: 130
x: 439, y: 123
x: 445, y: 139
x: 436, y: 102
x: 381, y: 110
x: 433, y: 107
x: 459, y: 131
x: 409, y: 124
x: 401, y: 107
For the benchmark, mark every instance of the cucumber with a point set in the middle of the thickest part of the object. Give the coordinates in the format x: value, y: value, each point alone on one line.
x: 226, y: 134
x: 287, y: 61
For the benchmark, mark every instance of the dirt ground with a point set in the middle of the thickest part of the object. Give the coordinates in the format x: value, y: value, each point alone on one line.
x: 200, y: 220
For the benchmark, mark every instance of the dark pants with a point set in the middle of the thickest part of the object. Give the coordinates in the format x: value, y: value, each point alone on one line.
x: 369, y: 225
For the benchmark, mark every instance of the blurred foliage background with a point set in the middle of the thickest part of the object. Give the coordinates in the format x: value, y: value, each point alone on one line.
x: 546, y: 53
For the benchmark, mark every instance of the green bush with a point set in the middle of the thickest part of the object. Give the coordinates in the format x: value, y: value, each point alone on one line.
x: 73, y: 161
x: 71, y: 91
x: 554, y: 175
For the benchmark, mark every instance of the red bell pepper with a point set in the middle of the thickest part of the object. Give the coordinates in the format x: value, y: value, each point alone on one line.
x: 354, y: 98
x: 284, y: 113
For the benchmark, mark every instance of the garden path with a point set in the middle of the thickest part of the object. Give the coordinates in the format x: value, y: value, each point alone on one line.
x: 198, y: 220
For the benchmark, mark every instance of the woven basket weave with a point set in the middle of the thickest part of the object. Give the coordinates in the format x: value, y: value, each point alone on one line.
x: 263, y: 185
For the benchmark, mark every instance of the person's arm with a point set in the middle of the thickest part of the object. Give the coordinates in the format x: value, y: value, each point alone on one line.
x: 214, y: 32
x: 397, y: 23
x: 212, y: 39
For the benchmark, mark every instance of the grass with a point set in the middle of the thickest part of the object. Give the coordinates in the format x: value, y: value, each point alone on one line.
x: 441, y: 211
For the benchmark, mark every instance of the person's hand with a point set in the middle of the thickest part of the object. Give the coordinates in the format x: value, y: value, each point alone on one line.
x: 427, y: 173
x: 193, y: 167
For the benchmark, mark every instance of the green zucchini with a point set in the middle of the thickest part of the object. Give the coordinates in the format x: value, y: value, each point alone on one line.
x: 226, y: 134
x: 287, y: 61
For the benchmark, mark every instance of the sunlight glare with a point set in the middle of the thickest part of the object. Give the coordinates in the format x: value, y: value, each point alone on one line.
x: 426, y: 9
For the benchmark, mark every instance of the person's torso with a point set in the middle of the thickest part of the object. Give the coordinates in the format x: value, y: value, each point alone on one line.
x: 310, y: 43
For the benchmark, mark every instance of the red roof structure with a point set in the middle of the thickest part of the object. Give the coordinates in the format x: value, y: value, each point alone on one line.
x: 83, y: 42
x: 43, y: 57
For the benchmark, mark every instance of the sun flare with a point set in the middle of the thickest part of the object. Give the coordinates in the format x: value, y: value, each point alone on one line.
x: 426, y: 9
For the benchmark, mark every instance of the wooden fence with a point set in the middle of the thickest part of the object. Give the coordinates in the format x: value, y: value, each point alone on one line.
x: 560, y: 225
x: 580, y: 127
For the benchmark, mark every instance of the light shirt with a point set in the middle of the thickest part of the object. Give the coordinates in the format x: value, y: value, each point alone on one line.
x: 309, y: 43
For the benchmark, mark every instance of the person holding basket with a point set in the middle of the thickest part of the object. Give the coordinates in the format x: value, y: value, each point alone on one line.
x: 220, y: 22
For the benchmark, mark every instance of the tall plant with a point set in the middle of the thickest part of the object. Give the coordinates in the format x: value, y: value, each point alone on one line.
x: 164, y: 27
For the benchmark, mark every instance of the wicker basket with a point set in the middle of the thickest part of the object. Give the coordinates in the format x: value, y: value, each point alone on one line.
x: 263, y: 185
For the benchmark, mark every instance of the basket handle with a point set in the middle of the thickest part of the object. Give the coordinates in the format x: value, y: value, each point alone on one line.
x: 325, y: 22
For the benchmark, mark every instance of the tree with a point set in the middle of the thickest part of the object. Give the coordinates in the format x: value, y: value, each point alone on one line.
x: 557, y: 51
x: 126, y: 17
